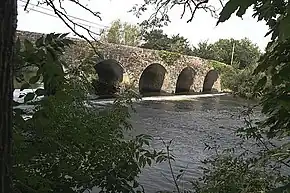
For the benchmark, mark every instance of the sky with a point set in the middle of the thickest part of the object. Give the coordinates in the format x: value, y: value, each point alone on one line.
x: 203, y: 27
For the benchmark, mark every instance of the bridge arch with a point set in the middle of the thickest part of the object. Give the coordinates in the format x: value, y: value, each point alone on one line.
x: 110, y: 74
x: 152, y: 78
x: 185, y: 80
x: 209, y: 80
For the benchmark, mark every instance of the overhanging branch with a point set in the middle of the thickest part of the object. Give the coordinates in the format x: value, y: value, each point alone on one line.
x: 70, y: 23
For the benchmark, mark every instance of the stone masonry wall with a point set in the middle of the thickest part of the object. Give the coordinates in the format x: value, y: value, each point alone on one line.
x: 134, y: 61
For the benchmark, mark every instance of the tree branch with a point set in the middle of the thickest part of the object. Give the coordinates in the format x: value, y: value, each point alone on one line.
x: 97, y: 14
x: 26, y: 5
x: 64, y: 17
x: 159, y: 18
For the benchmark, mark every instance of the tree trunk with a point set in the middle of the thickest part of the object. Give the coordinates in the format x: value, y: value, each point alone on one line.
x: 8, y: 23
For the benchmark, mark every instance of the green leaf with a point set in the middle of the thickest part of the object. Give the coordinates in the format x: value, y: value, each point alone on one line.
x: 146, y: 142
x: 39, y: 71
x: 18, y: 111
x: 245, y: 4
x: 51, y: 53
x: 28, y: 46
x: 233, y: 5
x: 40, y: 41
x: 284, y: 28
x: 29, y: 97
x: 34, y: 79
x: 15, y: 103
x: 135, y: 184
x: 40, y: 92
x: 67, y: 42
x: 48, y: 38
x: 230, y: 7
x: 159, y: 159
x: 149, y: 161
x: 25, y: 85
x: 63, y: 35
x: 261, y: 83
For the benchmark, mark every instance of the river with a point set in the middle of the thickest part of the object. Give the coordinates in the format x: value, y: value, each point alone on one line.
x: 190, y: 122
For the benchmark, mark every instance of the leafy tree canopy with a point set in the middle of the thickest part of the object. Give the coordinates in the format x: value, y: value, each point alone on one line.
x: 122, y: 33
x: 245, y: 53
x: 156, y: 39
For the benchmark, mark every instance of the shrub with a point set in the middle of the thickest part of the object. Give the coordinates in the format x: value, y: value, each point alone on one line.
x: 69, y: 145
x: 226, y: 173
x: 227, y: 73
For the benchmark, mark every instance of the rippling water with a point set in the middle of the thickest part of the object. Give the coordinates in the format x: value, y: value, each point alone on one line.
x: 190, y: 124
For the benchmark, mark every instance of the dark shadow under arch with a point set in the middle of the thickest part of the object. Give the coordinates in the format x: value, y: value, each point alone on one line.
x: 209, y: 80
x: 185, y: 80
x: 152, y: 79
x: 110, y: 74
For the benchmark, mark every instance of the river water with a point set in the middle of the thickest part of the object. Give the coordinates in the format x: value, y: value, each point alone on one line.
x: 189, y: 123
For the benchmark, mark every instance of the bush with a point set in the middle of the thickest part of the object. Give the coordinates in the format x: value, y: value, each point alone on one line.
x: 71, y: 147
x: 227, y: 73
x: 226, y: 173
x: 68, y: 145
x: 240, y: 82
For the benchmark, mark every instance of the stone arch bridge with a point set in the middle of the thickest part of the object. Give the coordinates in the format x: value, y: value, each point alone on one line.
x: 147, y: 70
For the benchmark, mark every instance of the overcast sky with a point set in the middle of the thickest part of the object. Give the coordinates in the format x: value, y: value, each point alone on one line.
x: 203, y: 27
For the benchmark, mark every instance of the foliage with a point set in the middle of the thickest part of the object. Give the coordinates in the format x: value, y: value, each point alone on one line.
x: 105, y: 89
x: 245, y: 52
x: 168, y: 57
x: 227, y: 73
x: 68, y: 145
x: 157, y: 40
x: 44, y: 56
x: 273, y: 86
x: 204, y: 50
x: 122, y: 33
x: 226, y: 173
x: 240, y: 82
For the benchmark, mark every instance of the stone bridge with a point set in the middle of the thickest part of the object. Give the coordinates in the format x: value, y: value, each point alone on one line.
x: 147, y: 70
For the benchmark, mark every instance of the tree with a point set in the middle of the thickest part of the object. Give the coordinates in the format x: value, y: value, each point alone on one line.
x: 64, y: 137
x: 122, y: 33
x: 8, y: 23
x: 8, y: 18
x: 131, y: 34
x: 245, y: 53
x: 204, y: 50
x: 114, y: 33
x: 160, y: 16
x: 157, y: 40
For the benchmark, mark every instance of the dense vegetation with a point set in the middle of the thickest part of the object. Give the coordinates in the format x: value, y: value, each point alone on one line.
x: 237, y: 53
x: 68, y: 145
